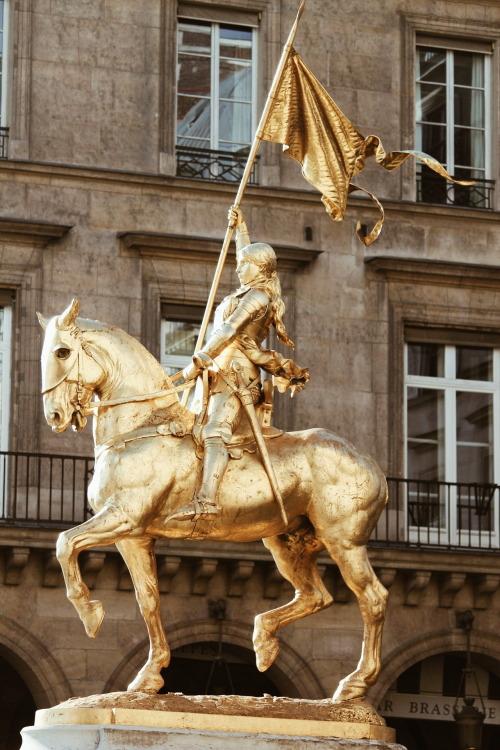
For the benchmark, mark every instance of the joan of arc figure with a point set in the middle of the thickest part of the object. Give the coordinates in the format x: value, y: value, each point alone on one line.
x: 241, y: 323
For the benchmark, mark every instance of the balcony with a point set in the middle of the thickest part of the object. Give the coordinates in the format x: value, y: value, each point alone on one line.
x: 434, y: 189
x: 217, y: 166
x: 439, y: 515
x: 50, y: 491
x: 4, y: 142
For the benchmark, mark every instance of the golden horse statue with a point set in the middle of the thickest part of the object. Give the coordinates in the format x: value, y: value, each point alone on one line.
x: 146, y: 467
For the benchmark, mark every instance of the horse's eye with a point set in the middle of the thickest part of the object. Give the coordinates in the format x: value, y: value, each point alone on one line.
x: 63, y: 353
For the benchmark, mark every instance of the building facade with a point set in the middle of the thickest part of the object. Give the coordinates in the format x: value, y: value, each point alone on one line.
x: 124, y: 130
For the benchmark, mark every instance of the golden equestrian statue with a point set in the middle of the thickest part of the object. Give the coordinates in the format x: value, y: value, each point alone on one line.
x: 300, y: 492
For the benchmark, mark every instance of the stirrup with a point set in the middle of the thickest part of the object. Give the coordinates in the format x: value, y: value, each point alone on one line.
x: 195, y: 511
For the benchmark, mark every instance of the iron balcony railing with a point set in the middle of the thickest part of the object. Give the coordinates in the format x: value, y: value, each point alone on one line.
x: 454, y: 515
x: 40, y: 489
x: 218, y: 166
x: 434, y: 189
x: 4, y: 142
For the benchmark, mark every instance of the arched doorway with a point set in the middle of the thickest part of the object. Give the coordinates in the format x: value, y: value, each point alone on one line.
x: 290, y: 675
x: 17, y: 707
x: 212, y: 668
x: 419, y: 705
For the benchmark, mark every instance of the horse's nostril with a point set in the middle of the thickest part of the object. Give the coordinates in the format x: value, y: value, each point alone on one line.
x: 55, y: 417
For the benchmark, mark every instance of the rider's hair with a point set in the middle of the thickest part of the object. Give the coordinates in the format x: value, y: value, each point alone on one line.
x: 264, y: 256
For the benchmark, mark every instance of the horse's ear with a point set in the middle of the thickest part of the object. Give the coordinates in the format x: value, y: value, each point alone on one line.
x: 42, y: 320
x: 68, y: 317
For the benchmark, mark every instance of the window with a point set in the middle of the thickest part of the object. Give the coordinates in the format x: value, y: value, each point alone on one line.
x: 180, y: 326
x: 215, y: 98
x: 452, y: 448
x: 453, y: 124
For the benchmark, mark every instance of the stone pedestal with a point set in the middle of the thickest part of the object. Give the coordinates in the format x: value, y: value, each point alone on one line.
x: 137, y: 721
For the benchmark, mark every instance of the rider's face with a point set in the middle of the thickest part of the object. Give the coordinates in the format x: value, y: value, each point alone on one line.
x: 247, y: 271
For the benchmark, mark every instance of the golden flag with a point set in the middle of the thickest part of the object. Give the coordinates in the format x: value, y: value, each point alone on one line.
x: 314, y: 132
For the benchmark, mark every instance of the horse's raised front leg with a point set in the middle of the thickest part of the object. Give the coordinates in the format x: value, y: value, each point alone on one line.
x: 295, y: 555
x: 372, y: 598
x: 106, y: 527
x: 141, y: 562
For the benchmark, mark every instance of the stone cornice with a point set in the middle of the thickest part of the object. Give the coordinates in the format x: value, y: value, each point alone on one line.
x: 199, y: 249
x: 23, y: 230
x: 442, y: 273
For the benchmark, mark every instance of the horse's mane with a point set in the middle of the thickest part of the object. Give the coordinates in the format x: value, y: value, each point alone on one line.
x: 173, y: 411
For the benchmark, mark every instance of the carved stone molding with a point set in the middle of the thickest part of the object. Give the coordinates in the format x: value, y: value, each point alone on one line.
x: 386, y: 576
x: 273, y: 581
x: 442, y: 273
x: 203, y: 571
x: 415, y: 583
x: 200, y: 249
x: 16, y: 559
x: 168, y: 567
x: 52, y: 573
x: 239, y: 574
x: 449, y: 586
x: 91, y: 564
x: 485, y: 586
x: 33, y: 232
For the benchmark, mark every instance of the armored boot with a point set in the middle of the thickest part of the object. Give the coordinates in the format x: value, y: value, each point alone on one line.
x: 215, y: 461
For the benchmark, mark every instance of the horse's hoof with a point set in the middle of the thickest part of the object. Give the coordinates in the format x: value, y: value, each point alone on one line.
x: 146, y: 684
x: 266, y: 652
x: 93, y: 617
x: 349, y: 692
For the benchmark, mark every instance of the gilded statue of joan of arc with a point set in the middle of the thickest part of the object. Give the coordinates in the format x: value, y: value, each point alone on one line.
x: 242, y: 322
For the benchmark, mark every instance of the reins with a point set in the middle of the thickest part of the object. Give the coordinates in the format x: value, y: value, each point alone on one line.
x: 144, y: 397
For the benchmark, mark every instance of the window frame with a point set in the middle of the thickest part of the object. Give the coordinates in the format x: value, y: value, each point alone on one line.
x: 450, y: 385
x: 450, y: 49
x: 214, y: 76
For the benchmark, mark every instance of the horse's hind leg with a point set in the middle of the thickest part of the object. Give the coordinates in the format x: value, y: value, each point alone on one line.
x: 372, y: 598
x: 106, y: 527
x: 141, y: 562
x: 295, y: 555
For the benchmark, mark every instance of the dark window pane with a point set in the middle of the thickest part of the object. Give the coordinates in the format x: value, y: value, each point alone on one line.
x: 431, y: 65
x: 432, y: 140
x: 469, y: 69
x: 425, y: 461
x: 474, y: 363
x: 425, y: 413
x: 426, y: 360
x: 469, y: 107
x: 409, y: 681
x: 193, y: 75
x: 180, y: 338
x: 469, y: 147
x: 474, y: 419
x: 453, y: 666
x: 431, y: 102
x: 194, y: 37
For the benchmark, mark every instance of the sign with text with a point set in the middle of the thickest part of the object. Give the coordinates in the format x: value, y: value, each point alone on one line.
x: 431, y: 707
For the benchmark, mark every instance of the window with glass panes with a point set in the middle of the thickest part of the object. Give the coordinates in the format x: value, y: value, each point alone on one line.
x: 452, y: 406
x: 453, y: 124
x: 215, y: 86
x: 180, y: 326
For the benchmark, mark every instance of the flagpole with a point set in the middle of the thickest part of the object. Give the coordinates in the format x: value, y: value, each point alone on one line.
x: 244, y: 180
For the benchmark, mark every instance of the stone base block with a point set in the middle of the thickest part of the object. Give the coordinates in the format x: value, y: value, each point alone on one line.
x: 115, y: 737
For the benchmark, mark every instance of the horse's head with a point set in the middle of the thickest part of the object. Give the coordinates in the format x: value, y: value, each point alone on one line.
x: 69, y: 372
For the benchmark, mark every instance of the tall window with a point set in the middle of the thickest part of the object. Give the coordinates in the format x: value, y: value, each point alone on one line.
x: 215, y: 98
x: 452, y: 408
x: 453, y: 124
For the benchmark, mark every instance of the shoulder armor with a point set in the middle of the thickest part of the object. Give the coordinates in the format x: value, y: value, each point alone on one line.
x: 254, y: 300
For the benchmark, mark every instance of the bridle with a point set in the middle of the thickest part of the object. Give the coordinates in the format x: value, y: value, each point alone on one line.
x: 81, y: 389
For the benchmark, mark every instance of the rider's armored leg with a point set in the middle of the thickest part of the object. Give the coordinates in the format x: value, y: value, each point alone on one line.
x: 214, y: 465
